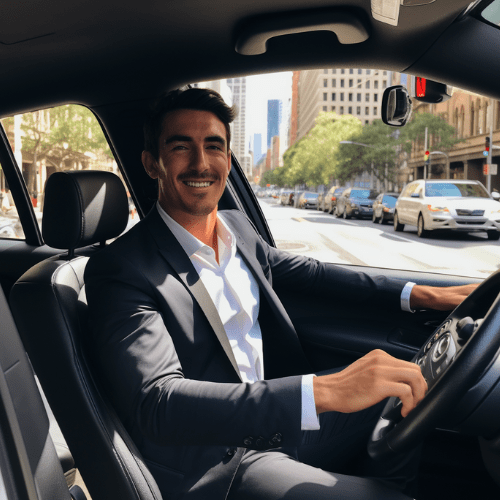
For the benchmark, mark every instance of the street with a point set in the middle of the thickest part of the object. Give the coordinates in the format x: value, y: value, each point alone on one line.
x: 361, y: 242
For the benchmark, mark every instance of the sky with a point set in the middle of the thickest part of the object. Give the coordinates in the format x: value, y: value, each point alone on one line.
x: 260, y: 89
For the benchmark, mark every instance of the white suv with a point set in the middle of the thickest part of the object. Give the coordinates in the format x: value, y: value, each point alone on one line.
x: 462, y: 205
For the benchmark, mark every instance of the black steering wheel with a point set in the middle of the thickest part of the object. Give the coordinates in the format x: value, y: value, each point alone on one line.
x: 452, y: 360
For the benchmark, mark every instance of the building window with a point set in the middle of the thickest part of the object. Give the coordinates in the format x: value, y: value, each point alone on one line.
x: 367, y: 110
x: 350, y: 82
x: 350, y: 110
x: 333, y: 96
x: 341, y: 110
x: 351, y: 71
x: 358, y: 97
x: 342, y: 96
x: 333, y: 108
x: 375, y: 84
x: 350, y: 97
x: 384, y: 84
x: 334, y: 71
x: 375, y: 111
x: 325, y: 83
x: 368, y: 71
x: 375, y: 97
x: 342, y: 71
x: 358, y: 110
x: 360, y: 71
x: 367, y: 84
x: 384, y: 73
x: 325, y: 71
x: 325, y: 108
x: 359, y: 83
x: 342, y: 83
x: 334, y: 82
x: 366, y: 122
x: 325, y: 96
x: 367, y: 97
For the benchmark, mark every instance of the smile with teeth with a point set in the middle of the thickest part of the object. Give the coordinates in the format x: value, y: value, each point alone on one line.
x: 198, y: 184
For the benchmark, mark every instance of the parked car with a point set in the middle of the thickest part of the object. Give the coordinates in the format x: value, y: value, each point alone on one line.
x: 331, y: 198
x: 356, y: 202
x: 116, y: 59
x: 383, y: 207
x: 308, y: 200
x: 447, y: 204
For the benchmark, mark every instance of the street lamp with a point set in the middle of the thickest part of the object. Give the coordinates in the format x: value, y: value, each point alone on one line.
x: 447, y: 161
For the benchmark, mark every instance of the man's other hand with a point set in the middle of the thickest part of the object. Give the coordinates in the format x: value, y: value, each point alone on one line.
x: 369, y: 380
x: 443, y: 298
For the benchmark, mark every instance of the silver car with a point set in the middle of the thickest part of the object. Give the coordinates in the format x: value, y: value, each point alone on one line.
x: 461, y: 205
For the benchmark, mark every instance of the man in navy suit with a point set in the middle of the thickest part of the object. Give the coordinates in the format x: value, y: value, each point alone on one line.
x: 198, y: 354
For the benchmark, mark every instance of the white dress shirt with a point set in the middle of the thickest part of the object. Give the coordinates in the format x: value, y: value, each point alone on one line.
x: 235, y: 294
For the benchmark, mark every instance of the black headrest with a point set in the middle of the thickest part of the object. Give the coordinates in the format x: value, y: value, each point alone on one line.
x: 82, y: 207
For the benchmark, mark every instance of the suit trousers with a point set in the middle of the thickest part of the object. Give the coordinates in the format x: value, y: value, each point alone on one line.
x: 332, y: 463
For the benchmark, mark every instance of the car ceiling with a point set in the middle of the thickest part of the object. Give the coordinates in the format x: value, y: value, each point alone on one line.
x: 99, y: 52
x: 116, y: 57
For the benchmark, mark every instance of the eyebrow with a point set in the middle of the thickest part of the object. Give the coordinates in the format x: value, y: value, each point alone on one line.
x: 186, y: 138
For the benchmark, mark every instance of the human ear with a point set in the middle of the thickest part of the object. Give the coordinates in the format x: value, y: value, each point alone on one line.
x: 150, y: 164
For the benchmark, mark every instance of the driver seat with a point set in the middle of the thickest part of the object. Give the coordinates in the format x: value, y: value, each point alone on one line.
x: 48, y: 302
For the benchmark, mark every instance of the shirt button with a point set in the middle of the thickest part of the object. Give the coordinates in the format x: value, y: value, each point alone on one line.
x: 260, y: 443
x: 248, y: 442
x: 276, y: 439
x: 231, y: 452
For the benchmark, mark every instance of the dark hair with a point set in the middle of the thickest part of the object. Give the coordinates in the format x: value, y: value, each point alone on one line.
x: 192, y: 98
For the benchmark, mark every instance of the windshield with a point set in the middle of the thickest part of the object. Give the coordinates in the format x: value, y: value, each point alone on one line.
x: 459, y: 190
x: 319, y: 131
x: 389, y: 201
x: 310, y: 195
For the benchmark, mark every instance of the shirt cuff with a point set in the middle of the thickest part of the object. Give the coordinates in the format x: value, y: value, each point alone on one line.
x: 310, y: 420
x: 405, y: 297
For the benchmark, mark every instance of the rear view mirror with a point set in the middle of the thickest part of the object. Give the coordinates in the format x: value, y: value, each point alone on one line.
x: 396, y: 106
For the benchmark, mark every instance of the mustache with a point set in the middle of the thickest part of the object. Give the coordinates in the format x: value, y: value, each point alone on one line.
x: 200, y: 176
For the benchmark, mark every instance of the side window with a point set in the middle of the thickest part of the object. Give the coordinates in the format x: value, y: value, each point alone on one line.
x: 10, y: 226
x: 51, y: 140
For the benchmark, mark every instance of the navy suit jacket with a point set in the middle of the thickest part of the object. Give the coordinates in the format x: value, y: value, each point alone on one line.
x: 163, y: 359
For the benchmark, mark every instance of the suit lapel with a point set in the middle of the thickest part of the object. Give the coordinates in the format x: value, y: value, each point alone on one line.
x: 173, y: 252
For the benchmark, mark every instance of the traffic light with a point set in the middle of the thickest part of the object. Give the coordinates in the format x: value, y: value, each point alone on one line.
x: 426, y: 157
x: 486, y: 151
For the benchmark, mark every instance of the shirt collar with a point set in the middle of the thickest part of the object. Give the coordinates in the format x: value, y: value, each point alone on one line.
x: 190, y: 243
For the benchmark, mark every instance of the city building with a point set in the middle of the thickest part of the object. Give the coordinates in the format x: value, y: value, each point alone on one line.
x: 473, y: 116
x: 274, y: 111
x: 257, y: 147
x: 238, y: 127
x: 357, y: 92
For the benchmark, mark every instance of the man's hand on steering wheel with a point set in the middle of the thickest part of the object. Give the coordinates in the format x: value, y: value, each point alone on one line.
x: 369, y: 380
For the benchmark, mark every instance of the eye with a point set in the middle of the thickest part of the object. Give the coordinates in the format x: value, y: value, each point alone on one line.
x: 217, y: 147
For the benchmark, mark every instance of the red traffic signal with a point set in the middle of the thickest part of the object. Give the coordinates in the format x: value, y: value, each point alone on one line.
x: 486, y: 146
x: 426, y: 156
x: 420, y: 85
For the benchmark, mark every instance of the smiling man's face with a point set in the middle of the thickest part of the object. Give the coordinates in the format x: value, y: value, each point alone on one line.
x: 193, y: 163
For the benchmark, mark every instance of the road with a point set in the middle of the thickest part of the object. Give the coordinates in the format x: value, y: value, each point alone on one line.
x: 361, y: 242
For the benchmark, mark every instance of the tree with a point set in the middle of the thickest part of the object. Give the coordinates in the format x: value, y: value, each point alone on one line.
x: 312, y: 159
x: 379, y: 158
x: 386, y: 143
x: 64, y: 136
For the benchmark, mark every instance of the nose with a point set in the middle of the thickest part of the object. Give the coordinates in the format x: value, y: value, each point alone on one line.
x: 199, y: 160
